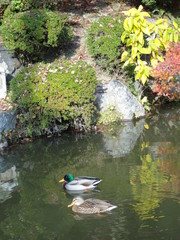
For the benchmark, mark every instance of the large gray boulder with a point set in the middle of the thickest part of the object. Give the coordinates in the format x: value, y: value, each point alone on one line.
x: 7, y: 122
x: 9, y: 63
x: 117, y: 95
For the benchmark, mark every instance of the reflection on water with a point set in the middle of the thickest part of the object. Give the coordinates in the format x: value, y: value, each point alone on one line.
x: 8, y: 182
x: 140, y: 169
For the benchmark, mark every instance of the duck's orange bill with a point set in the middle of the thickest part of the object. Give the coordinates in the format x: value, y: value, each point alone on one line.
x: 62, y: 180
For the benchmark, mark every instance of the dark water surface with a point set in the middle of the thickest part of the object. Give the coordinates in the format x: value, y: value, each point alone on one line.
x: 140, y: 168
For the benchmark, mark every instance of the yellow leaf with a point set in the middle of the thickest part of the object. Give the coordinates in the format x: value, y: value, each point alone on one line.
x: 145, y: 14
x: 175, y: 25
x: 136, y: 24
x: 145, y: 30
x: 126, y: 63
x: 137, y: 68
x: 146, y: 126
x: 165, y: 35
x: 130, y: 23
x: 124, y: 56
x: 145, y: 50
x: 143, y: 79
x: 123, y: 36
x: 175, y: 38
x: 125, y: 25
x: 140, y: 38
x: 133, y: 11
x: 157, y: 42
x: 136, y: 30
x: 160, y: 58
x: 140, y: 8
x: 129, y: 42
x: 154, y: 62
x: 127, y: 13
x: 171, y: 37
x: 144, y: 100
x: 163, y: 26
x: 148, y: 158
x: 151, y: 27
x: 159, y: 21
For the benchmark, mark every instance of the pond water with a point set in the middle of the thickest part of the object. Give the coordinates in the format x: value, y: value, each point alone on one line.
x: 140, y: 166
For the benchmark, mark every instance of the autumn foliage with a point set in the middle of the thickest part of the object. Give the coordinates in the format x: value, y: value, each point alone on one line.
x: 167, y: 74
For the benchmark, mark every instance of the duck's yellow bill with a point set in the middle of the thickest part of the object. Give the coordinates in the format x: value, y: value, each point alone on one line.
x: 70, y: 205
x: 62, y: 180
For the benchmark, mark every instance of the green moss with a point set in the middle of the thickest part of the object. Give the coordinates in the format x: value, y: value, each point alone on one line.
x: 109, y: 116
x: 49, y: 95
x: 104, y: 42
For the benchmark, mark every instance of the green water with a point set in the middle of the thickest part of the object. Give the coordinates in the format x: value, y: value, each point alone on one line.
x: 140, y: 169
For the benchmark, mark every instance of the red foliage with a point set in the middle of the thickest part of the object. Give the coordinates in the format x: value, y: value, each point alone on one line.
x: 167, y: 74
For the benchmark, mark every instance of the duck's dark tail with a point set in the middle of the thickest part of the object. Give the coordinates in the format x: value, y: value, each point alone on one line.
x: 96, y: 182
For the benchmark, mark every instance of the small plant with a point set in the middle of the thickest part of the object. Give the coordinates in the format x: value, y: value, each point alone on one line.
x: 109, y: 116
x: 146, y: 41
x: 3, y: 5
x: 104, y: 42
x: 17, y: 5
x: 49, y: 96
x: 30, y: 33
x: 167, y: 74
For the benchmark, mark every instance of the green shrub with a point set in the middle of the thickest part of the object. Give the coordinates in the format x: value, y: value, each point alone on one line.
x: 30, y: 33
x: 48, y: 95
x: 24, y: 5
x: 104, y: 42
x: 3, y: 5
x: 156, y: 4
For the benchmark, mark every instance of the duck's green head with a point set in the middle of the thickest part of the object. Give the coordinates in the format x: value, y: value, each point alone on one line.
x: 68, y: 178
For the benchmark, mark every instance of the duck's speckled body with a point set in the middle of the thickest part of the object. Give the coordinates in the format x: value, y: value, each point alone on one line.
x: 90, y: 206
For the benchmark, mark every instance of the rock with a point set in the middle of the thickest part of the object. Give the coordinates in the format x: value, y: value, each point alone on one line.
x: 7, y: 122
x: 9, y: 63
x: 124, y: 139
x: 8, y: 182
x: 3, y: 87
x: 115, y: 94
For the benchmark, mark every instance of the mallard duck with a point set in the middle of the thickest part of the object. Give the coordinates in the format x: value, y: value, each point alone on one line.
x: 90, y: 206
x: 81, y: 183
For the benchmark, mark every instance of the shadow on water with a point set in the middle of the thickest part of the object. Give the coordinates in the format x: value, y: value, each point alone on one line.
x: 140, y: 169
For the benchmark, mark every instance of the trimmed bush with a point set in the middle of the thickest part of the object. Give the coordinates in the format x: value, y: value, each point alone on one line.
x: 104, y: 42
x: 3, y: 5
x: 29, y: 34
x: 49, y: 95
